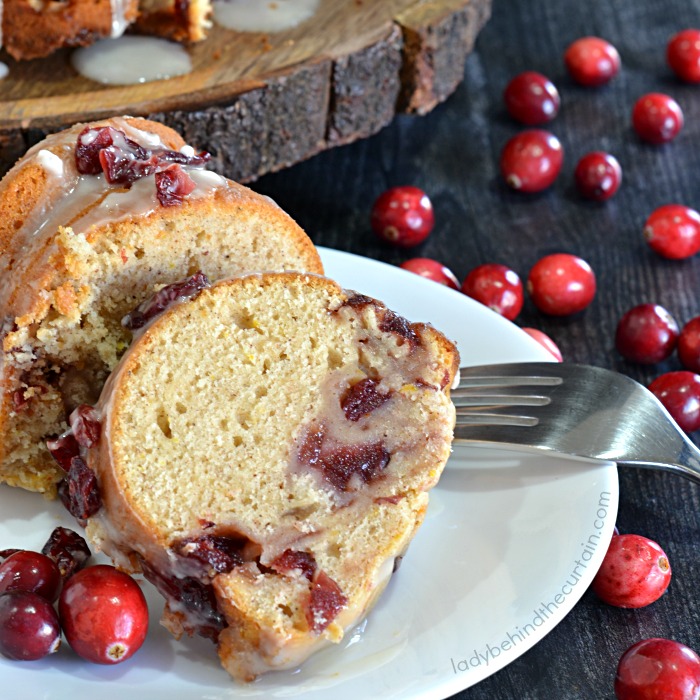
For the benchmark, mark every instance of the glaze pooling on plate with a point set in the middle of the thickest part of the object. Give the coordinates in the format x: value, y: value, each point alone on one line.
x: 263, y: 15
x: 129, y: 60
x: 537, y: 526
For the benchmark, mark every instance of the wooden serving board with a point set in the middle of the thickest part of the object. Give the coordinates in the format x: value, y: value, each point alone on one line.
x: 261, y: 102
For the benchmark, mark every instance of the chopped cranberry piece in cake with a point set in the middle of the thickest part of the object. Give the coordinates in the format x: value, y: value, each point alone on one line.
x: 162, y: 299
x: 293, y: 560
x: 342, y: 465
x: 393, y: 323
x: 63, y: 449
x: 197, y: 598
x: 79, y: 492
x: 173, y: 185
x: 325, y: 602
x: 216, y: 551
x: 362, y: 398
x: 86, y: 426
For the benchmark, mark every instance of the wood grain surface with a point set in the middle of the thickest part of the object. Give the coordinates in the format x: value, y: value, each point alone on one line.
x: 453, y: 154
x: 259, y: 102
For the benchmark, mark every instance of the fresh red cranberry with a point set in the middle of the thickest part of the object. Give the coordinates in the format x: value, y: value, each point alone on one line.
x: 29, y: 628
x: 658, y: 669
x: 561, y: 284
x: 31, y: 571
x: 689, y: 345
x: 592, y: 61
x: 598, y: 176
x: 679, y: 392
x: 531, y: 160
x: 635, y: 572
x: 657, y: 118
x: 545, y: 341
x: 497, y: 287
x: 104, y: 614
x: 432, y: 270
x: 646, y: 334
x: 683, y: 55
x: 673, y: 231
x: 403, y: 216
x: 531, y: 98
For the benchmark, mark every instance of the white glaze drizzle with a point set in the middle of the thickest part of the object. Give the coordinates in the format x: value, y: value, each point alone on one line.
x: 119, y: 21
x: 263, y: 16
x: 130, y: 60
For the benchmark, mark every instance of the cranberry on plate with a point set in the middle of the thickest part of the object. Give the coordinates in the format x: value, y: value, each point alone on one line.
x: 531, y: 98
x: 432, y: 270
x: 592, y: 61
x: 531, y: 160
x: 673, y: 231
x: 679, y: 392
x: 689, y: 345
x: 683, y: 55
x: 656, y: 669
x: 657, y: 118
x: 561, y: 284
x: 403, y: 216
x: 598, y: 176
x: 104, y: 614
x: 545, y: 341
x: 31, y: 571
x: 647, y: 334
x: 29, y: 628
x: 635, y: 572
x: 496, y: 286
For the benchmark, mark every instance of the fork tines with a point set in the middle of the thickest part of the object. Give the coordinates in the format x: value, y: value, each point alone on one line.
x: 489, y: 400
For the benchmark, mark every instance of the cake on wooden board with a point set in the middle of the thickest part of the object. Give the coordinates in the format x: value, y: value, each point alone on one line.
x: 92, y: 221
x: 36, y: 28
x: 263, y: 453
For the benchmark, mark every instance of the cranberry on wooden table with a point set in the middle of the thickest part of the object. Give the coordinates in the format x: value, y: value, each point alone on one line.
x: 531, y: 98
x: 598, y: 176
x: 647, y: 334
x: 104, y: 614
x: 29, y: 627
x: 531, y: 161
x: 592, y: 61
x: 545, y: 341
x: 403, y: 216
x: 31, y: 571
x: 561, y: 284
x: 679, y: 392
x: 683, y: 55
x: 657, y: 118
x: 689, y: 345
x: 495, y: 286
x: 635, y: 572
x: 673, y: 231
x: 658, y: 669
x: 432, y: 270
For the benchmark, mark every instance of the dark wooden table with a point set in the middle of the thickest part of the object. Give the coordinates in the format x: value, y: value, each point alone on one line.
x: 453, y: 154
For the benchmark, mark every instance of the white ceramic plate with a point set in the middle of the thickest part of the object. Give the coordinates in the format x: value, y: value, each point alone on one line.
x: 509, y: 545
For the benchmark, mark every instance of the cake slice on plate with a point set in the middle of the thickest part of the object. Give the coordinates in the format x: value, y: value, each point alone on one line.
x: 263, y: 453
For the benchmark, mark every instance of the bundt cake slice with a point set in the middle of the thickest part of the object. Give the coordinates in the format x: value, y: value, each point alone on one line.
x: 263, y: 454
x: 92, y: 221
x: 36, y: 28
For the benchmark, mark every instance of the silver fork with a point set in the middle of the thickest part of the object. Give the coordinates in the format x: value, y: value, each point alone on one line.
x: 573, y: 410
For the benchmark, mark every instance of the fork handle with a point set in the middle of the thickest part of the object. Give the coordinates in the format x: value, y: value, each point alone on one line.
x: 687, y: 464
